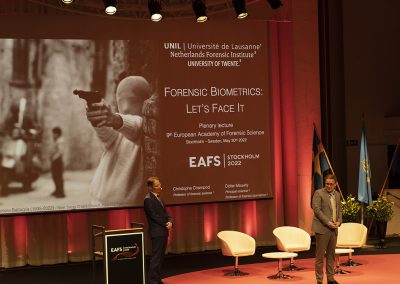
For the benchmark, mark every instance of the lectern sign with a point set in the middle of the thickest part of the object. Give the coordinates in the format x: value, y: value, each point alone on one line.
x: 124, y: 258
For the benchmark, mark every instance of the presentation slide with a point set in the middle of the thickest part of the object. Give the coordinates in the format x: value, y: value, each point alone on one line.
x: 85, y: 121
x: 214, y: 96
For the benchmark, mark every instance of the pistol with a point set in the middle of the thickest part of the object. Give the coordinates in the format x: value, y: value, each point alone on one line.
x: 90, y: 97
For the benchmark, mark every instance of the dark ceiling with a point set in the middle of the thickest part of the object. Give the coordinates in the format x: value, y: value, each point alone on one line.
x: 137, y: 9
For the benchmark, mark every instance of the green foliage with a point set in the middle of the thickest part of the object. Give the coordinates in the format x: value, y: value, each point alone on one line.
x: 350, y: 209
x: 381, y: 209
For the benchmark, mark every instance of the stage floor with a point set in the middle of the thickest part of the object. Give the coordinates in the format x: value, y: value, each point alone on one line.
x: 375, y: 269
x: 380, y: 267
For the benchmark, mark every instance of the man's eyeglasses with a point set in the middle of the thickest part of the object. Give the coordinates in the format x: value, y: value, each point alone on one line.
x: 330, y: 184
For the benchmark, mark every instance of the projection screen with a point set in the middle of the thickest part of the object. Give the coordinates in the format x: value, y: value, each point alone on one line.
x: 194, y: 103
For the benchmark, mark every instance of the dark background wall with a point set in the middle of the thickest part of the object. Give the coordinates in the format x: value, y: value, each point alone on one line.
x: 371, y: 69
x: 361, y: 70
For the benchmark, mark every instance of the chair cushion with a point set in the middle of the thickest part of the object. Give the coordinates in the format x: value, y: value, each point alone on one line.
x: 297, y: 247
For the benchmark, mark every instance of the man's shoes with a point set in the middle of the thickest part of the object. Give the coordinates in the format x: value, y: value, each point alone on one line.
x: 333, y: 282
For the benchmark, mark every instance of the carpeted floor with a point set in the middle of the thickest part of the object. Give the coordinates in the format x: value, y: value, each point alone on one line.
x: 375, y: 269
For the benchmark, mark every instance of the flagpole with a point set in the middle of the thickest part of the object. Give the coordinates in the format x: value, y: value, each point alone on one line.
x: 330, y: 166
x: 362, y: 213
x: 390, y: 167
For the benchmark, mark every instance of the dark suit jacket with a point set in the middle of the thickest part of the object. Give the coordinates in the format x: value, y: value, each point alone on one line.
x: 157, y: 216
x: 321, y: 205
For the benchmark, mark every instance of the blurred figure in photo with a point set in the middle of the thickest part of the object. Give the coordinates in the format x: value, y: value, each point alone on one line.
x: 57, y: 165
x: 13, y: 152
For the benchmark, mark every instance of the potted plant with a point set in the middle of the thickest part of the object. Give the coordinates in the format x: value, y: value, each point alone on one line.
x: 350, y: 209
x: 381, y: 210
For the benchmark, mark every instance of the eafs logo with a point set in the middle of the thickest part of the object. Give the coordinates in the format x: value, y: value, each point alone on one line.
x: 126, y: 252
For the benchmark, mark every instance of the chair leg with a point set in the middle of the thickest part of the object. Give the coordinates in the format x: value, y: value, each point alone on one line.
x: 350, y: 261
x: 338, y: 269
x: 236, y: 271
x: 280, y: 274
x: 292, y: 266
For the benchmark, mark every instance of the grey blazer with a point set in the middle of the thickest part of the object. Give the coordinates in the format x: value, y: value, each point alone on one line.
x: 323, y: 210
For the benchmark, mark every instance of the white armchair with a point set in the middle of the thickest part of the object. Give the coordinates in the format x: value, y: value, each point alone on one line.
x: 351, y: 235
x: 234, y: 243
x: 292, y: 239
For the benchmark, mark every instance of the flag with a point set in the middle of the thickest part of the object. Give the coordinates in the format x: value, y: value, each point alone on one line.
x: 364, y: 173
x: 319, y: 164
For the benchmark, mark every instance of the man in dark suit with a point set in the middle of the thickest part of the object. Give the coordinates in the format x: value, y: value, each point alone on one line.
x: 160, y: 223
x: 327, y: 219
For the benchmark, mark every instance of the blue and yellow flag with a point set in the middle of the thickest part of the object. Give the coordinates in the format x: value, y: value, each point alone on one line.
x: 320, y: 163
x: 364, y: 174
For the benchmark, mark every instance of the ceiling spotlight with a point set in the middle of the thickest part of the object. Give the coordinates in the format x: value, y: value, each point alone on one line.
x: 155, y: 10
x: 240, y: 8
x: 199, y: 8
x: 67, y: 1
x: 110, y: 7
x: 275, y: 4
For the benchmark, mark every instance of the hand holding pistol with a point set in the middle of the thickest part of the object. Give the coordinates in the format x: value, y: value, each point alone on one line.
x: 90, y: 97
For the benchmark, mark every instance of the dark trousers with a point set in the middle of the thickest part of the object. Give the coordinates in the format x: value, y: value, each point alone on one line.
x: 57, y: 170
x: 159, y: 245
x: 325, y: 246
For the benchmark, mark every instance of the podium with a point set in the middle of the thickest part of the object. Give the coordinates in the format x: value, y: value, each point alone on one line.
x: 122, y: 253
